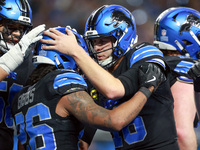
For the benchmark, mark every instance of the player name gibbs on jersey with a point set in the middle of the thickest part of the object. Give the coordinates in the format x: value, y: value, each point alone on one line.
x: 26, y: 98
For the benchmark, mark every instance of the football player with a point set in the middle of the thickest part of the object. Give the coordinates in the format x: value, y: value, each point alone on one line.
x: 110, y: 33
x: 177, y: 34
x: 50, y: 110
x: 15, y: 39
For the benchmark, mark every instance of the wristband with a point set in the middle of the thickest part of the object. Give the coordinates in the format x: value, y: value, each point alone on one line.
x: 12, y: 59
x: 145, y: 91
x: 197, y: 84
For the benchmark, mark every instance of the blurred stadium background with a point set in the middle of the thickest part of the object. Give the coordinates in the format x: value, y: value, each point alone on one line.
x: 75, y: 13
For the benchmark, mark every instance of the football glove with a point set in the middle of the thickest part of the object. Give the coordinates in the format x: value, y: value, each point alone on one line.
x: 194, y: 73
x: 150, y: 75
x: 15, y: 56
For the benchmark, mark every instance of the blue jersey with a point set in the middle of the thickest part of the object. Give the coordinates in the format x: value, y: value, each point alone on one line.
x: 154, y: 127
x: 38, y: 126
x: 179, y: 66
x: 8, y: 88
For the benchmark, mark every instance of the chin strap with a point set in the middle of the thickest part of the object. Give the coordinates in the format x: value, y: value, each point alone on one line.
x: 106, y: 61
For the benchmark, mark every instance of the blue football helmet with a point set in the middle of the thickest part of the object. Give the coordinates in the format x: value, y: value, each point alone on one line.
x: 115, y: 21
x: 52, y: 57
x: 12, y: 12
x: 178, y: 28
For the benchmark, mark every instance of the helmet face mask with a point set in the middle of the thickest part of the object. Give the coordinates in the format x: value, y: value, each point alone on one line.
x: 93, y: 53
x: 15, y: 15
x: 179, y: 29
x: 52, y: 57
x: 115, y: 21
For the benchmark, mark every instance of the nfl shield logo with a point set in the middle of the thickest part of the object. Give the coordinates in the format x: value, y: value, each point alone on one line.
x: 163, y: 32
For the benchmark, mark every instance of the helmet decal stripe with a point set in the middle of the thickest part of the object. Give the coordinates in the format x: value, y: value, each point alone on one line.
x: 93, y: 18
x: 24, y: 8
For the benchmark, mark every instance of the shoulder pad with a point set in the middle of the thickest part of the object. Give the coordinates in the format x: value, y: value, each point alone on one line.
x: 158, y: 61
x: 69, y: 78
x: 144, y: 51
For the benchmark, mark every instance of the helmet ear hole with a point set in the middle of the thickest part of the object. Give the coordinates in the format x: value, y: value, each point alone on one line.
x: 119, y: 52
x: 64, y: 58
x: 186, y: 42
x: 119, y: 33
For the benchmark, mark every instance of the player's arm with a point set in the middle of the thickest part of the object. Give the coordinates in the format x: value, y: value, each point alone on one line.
x: 194, y: 73
x: 103, y: 81
x: 82, y: 106
x: 3, y: 74
x: 15, y: 56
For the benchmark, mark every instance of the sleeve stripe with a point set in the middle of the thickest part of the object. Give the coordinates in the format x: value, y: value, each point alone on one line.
x: 158, y: 61
x: 68, y: 78
x: 144, y: 52
x: 183, y: 67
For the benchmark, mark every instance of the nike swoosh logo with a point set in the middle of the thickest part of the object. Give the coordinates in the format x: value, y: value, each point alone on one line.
x: 153, y: 79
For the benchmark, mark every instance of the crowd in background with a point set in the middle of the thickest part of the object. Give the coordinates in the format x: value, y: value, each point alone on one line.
x: 76, y: 12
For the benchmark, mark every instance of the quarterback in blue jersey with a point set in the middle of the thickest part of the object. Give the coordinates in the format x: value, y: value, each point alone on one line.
x: 177, y: 34
x: 15, y: 39
x: 110, y: 34
x: 50, y: 110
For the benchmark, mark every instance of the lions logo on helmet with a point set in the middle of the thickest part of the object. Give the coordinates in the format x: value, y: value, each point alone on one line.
x: 182, y: 31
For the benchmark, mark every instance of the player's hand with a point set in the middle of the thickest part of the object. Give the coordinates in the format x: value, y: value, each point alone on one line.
x: 194, y: 71
x: 64, y: 43
x: 31, y: 37
x: 150, y: 75
x: 17, y: 53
